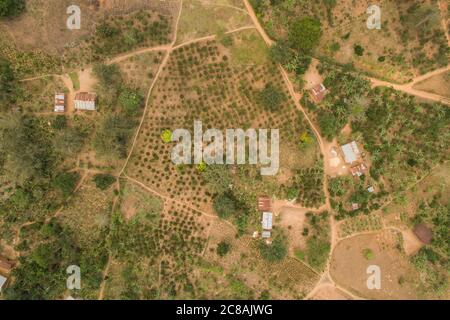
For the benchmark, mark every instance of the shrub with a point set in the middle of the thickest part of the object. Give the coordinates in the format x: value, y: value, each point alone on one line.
x: 271, y: 97
x: 66, y: 182
x: 60, y: 122
x: 131, y: 101
x: 368, y: 254
x: 225, y: 205
x: 305, y: 34
x: 103, y: 181
x: 359, y: 51
x: 280, y: 53
x: 276, y: 251
x: 223, y: 248
x: 9, y: 8
x: 166, y: 136
x: 317, y: 252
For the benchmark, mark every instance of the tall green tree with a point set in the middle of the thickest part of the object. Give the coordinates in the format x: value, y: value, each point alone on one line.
x: 304, y: 34
x: 9, y: 8
x: 27, y: 149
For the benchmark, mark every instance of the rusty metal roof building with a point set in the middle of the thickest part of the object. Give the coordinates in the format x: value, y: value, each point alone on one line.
x: 318, y: 92
x: 264, y: 204
x: 85, y: 101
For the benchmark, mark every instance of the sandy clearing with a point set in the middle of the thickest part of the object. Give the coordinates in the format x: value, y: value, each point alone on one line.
x: 329, y: 292
x: 87, y: 80
x: 411, y: 243
x: 312, y: 75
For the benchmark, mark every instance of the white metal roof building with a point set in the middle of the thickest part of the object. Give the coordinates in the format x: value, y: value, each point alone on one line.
x: 265, y: 234
x: 2, y: 282
x: 85, y: 101
x: 59, y: 102
x: 267, y: 220
x: 351, y: 152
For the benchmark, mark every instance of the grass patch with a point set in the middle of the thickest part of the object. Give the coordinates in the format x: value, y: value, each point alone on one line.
x: 75, y: 80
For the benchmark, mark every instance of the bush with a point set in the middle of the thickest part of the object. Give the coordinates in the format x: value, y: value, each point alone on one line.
x: 271, y: 97
x: 359, y: 51
x: 66, y: 182
x: 112, y: 136
x: 223, y: 248
x: 9, y: 8
x: 225, y: 205
x: 276, y: 251
x: 6, y: 84
x: 60, y: 122
x: 131, y: 101
x: 305, y: 34
x: 368, y: 254
x: 103, y: 181
x: 280, y: 53
x: 317, y: 252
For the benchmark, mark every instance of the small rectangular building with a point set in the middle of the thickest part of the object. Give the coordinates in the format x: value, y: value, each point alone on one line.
x: 85, y: 101
x: 359, y: 170
x: 351, y: 152
x: 267, y: 220
x: 5, y: 266
x: 264, y: 204
x: 60, y: 102
x: 318, y: 93
x: 3, y: 281
x: 265, y: 234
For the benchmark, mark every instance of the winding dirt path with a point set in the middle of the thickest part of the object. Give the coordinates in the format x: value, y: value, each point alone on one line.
x: 408, y: 87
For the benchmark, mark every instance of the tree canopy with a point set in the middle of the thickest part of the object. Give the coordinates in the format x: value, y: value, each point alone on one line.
x: 9, y: 8
x: 304, y: 34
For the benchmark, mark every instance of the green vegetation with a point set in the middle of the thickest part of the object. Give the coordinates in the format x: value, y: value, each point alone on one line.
x: 9, y: 8
x: 112, y: 136
x: 276, y: 251
x: 308, y: 186
x: 225, y: 205
x: 116, y: 37
x: 271, y: 97
x: 75, y: 80
x: 110, y: 82
x: 41, y: 273
x: 27, y: 147
x: 7, y: 85
x: 368, y: 254
x: 223, y: 248
x: 103, y: 181
x: 131, y: 101
x: 166, y: 136
x: 66, y: 182
x: 359, y: 51
x: 318, y: 241
x: 304, y: 34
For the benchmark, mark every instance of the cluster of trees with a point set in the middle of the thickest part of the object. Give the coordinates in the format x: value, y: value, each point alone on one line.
x: 307, y: 186
x: 41, y: 273
x: 276, y: 251
x: 103, y: 181
x: 28, y: 153
x: 294, y: 52
x: 271, y: 97
x: 123, y: 103
x: 8, y: 85
x: 121, y: 35
x: 346, y: 102
x: 226, y: 203
x: 10, y: 8
x: 318, y: 243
